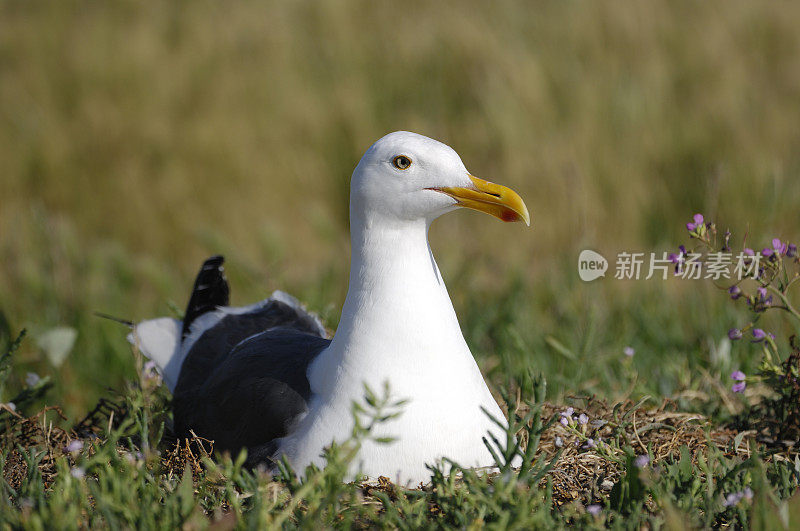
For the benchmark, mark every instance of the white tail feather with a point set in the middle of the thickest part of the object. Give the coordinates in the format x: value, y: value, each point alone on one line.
x: 160, y: 340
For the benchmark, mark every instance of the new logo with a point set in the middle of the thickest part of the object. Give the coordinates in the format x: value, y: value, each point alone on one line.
x: 591, y: 265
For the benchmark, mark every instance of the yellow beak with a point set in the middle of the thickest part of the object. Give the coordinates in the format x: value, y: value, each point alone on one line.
x: 495, y: 199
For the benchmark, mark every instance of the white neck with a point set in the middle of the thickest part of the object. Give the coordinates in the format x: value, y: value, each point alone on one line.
x: 397, y: 313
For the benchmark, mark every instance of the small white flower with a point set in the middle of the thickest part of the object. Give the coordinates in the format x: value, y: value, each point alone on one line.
x: 32, y: 379
x: 559, y: 443
x: 628, y: 351
x: 78, y: 472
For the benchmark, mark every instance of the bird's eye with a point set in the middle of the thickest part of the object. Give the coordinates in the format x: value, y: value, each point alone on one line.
x: 401, y: 162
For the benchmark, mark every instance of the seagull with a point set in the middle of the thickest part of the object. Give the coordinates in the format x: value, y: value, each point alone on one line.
x: 267, y: 378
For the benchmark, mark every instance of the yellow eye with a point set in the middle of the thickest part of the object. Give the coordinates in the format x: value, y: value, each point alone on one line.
x: 401, y: 162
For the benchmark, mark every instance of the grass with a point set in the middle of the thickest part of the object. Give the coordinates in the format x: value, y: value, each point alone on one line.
x: 137, y: 139
x: 119, y: 468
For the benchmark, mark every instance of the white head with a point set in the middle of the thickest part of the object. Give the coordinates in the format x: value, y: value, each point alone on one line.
x: 408, y: 177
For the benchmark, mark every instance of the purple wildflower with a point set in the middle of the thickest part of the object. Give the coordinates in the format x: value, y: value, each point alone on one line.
x: 149, y: 369
x: 132, y: 458
x: 678, y: 259
x: 739, y: 387
x: 564, y: 421
x: 731, y: 499
x: 763, y: 300
x: 734, y: 334
x: 735, y: 292
x: 778, y: 246
x: 734, y: 498
x: 758, y: 335
x: 74, y: 446
x: 589, y: 443
x: 594, y: 509
x: 641, y: 461
x: 791, y: 250
x: 31, y: 379
x: 583, y: 419
x: 150, y: 372
x: 738, y: 376
x: 628, y: 351
x: 749, y: 252
x: 698, y: 221
x: 766, y: 251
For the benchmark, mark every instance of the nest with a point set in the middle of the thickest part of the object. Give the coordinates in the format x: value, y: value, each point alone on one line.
x: 187, y: 453
x: 586, y: 473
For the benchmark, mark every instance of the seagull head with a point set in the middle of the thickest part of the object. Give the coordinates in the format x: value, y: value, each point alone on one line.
x: 408, y: 177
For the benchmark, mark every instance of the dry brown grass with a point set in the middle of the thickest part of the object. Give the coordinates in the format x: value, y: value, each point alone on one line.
x: 582, y: 474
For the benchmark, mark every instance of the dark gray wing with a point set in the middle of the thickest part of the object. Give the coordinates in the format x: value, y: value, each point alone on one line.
x: 254, y: 395
x: 243, y: 381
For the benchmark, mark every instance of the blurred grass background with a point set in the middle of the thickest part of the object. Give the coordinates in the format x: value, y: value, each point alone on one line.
x: 136, y: 138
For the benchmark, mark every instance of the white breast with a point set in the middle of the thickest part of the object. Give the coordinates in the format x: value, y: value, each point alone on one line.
x: 398, y: 326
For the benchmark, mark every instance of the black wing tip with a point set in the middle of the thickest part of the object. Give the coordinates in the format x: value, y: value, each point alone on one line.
x: 210, y: 291
x: 213, y: 262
